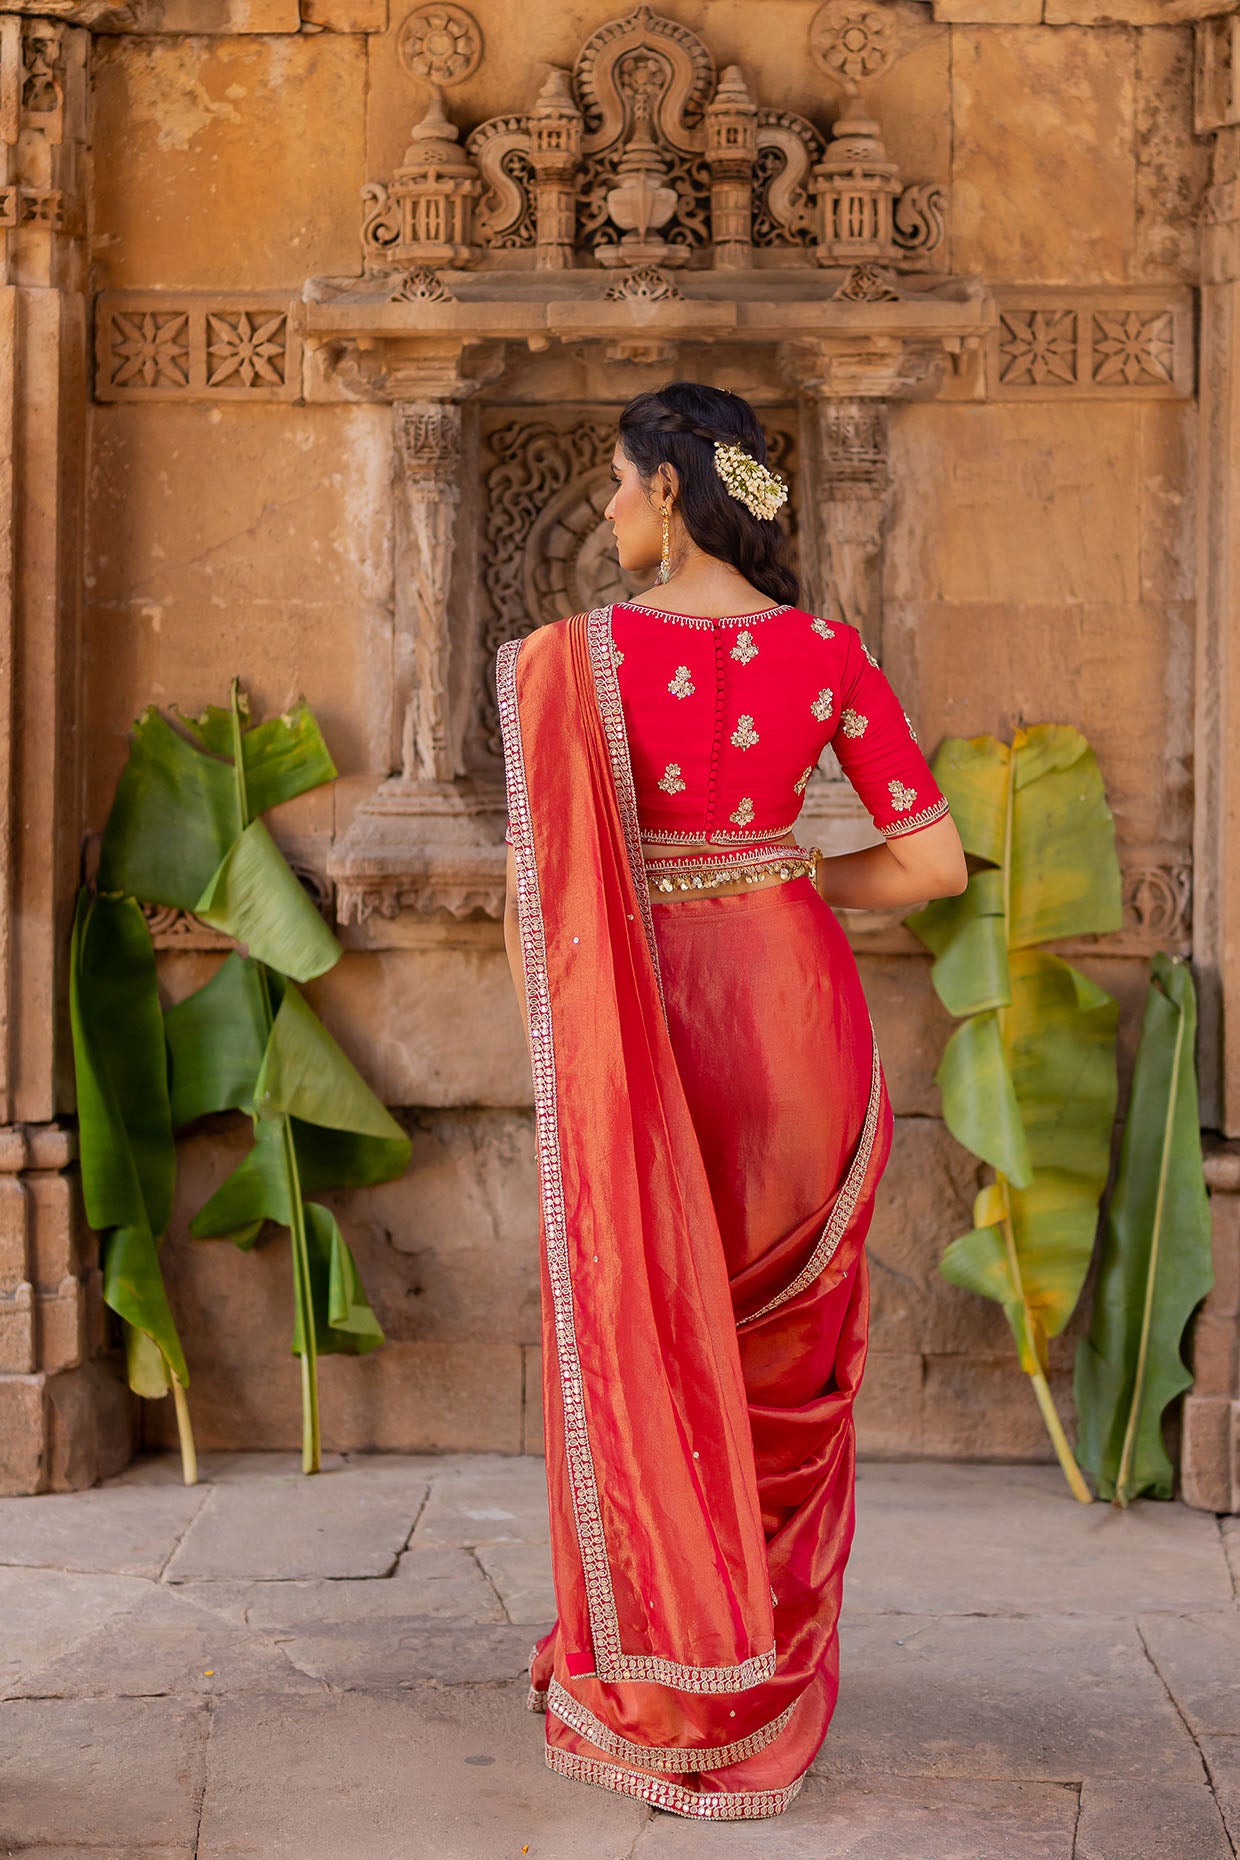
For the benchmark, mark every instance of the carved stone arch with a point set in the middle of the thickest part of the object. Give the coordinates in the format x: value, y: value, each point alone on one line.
x: 690, y: 85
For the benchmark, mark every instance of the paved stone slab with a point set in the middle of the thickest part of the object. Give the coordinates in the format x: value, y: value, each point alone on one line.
x: 419, y: 1776
x: 436, y: 1582
x: 166, y: 1645
x: 1002, y: 1700
x: 494, y: 1500
x: 1199, y: 1658
x: 346, y: 1523
x: 44, y: 1611
x: 1155, y: 1821
x: 1230, y: 1528
x: 115, y: 1529
x: 406, y: 1650
x: 928, y: 1819
x: 521, y: 1574
x: 1031, y: 1548
x: 117, y: 1774
x: 1222, y: 1755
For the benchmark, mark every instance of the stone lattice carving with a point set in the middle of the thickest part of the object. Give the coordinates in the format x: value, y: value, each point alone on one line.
x: 190, y: 347
x: 850, y: 42
x: 429, y: 451
x: 1158, y: 904
x: 421, y: 286
x: 1103, y: 344
x: 440, y: 43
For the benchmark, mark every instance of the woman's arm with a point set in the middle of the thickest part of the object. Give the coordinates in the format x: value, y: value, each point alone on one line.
x: 512, y: 943
x: 906, y: 869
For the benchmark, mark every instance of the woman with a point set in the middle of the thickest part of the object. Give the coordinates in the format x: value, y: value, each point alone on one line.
x: 711, y: 1118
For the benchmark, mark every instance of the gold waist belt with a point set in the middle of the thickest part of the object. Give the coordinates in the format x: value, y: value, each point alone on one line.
x: 694, y: 871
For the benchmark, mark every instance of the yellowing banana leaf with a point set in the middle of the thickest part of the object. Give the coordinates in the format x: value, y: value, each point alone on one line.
x: 967, y: 935
x: 980, y: 1107
x: 1156, y: 1265
x: 128, y: 1161
x: 255, y: 897
x: 343, y: 1319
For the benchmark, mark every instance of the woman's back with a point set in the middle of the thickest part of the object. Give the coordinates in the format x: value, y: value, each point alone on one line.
x: 727, y: 718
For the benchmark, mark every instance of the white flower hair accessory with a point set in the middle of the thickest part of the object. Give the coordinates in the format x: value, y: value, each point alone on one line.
x: 759, y: 489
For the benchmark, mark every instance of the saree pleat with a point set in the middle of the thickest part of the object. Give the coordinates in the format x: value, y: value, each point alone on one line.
x: 711, y: 1121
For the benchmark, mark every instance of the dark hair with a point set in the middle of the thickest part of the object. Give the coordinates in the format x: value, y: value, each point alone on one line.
x: 680, y: 423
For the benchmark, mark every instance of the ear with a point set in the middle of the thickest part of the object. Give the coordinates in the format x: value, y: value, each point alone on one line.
x: 668, y: 479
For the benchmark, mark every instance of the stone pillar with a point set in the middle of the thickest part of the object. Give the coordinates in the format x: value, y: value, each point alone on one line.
x: 852, y: 444
x: 427, y: 500
x: 64, y: 1419
x: 1210, y: 1449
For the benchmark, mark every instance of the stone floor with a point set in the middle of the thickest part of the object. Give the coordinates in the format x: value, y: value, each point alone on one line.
x: 333, y: 1669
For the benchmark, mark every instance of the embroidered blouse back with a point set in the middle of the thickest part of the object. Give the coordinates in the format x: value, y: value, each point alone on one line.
x: 726, y: 720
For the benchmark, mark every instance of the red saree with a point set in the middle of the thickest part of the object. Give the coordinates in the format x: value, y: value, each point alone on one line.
x: 711, y: 1122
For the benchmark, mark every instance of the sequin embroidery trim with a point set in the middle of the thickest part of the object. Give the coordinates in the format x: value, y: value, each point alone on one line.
x: 853, y: 723
x: 845, y: 1201
x: 674, y: 1757
x: 734, y: 1805
x: 821, y: 706
x: 914, y: 821
x: 744, y: 736
x: 902, y: 798
x: 703, y: 620
x: 745, y: 649
x: 798, y: 786
x: 670, y: 780
x: 681, y: 684
x: 820, y: 627
x: 743, y: 812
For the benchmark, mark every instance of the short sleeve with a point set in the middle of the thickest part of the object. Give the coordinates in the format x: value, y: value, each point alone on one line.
x: 878, y: 752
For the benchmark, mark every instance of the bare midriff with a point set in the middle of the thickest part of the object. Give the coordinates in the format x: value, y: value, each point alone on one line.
x: 670, y: 849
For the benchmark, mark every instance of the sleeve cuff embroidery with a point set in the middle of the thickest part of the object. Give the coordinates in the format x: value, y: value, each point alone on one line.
x: 928, y: 814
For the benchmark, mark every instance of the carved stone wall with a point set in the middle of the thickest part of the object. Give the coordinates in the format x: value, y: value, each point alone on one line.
x: 368, y: 282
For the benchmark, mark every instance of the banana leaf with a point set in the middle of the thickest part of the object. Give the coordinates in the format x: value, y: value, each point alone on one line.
x: 254, y: 896
x: 1155, y: 1265
x: 1028, y: 1078
x: 128, y: 1160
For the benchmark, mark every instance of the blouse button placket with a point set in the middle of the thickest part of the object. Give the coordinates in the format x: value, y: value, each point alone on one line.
x: 716, y: 744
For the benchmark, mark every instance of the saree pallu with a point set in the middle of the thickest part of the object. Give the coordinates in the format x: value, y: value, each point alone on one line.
x: 711, y: 1122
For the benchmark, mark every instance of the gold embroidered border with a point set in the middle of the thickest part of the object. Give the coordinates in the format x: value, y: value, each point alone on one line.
x: 723, y: 835
x: 611, y: 1662
x: 845, y: 1201
x: 923, y: 819
x: 675, y: 1757
x: 700, y: 620
x: 737, y: 1805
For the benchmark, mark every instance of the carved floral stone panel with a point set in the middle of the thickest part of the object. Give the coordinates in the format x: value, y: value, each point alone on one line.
x: 154, y: 345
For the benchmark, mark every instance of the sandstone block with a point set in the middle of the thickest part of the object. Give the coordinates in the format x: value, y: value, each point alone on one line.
x: 341, y: 1523
x: 989, y: 12
x: 532, y: 1439
x: 1196, y: 1656
x: 346, y: 15
x: 23, y: 1440
x: 1172, y: 161
x: 123, y: 1530
x: 63, y: 1781
x: 61, y: 1324
x: 91, y: 1424
x: 19, y: 1353
x: 987, y: 1411
x: 1213, y: 1346
x: 1205, y: 1452
x: 890, y: 1413
x: 1160, y: 1821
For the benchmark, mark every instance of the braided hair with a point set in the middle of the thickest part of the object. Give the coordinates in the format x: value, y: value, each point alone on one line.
x: 680, y: 423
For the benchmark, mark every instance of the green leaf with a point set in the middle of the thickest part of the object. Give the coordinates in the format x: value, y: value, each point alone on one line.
x: 216, y: 1039
x: 257, y: 1190
x: 173, y: 818
x: 1155, y: 1264
x: 343, y: 1319
x: 1065, y: 877
x: 305, y: 1073
x: 128, y: 1161
x: 283, y: 757
x: 973, y: 774
x: 979, y: 1101
x: 255, y: 897
x: 967, y: 936
x: 980, y: 1262
x: 133, y: 1286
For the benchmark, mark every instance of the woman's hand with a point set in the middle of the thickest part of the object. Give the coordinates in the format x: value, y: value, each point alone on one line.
x: 910, y: 868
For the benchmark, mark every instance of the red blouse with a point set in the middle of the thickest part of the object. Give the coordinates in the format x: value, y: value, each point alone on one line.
x: 726, y: 720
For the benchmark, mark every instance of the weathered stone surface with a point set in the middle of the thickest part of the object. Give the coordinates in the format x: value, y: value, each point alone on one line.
x: 205, y: 119
x: 336, y: 1524
x: 989, y: 12
x: 521, y: 1575
x: 462, y: 1774
x: 1018, y: 145
x: 1160, y: 1821
x: 1196, y: 1656
x: 46, y: 1611
x: 126, y: 1530
x: 61, y: 1782
x: 931, y: 1818
x: 1038, y: 1553
x: 90, y: 1424
x: 493, y: 1501
x: 1173, y: 163
x: 1206, y: 1452
x: 988, y: 1696
x: 431, y: 1582
x: 532, y: 1439
x: 23, y: 1440
x: 1222, y: 1759
x: 890, y: 1412
x: 404, y: 1650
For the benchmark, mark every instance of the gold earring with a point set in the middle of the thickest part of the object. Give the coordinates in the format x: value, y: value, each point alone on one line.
x: 665, y: 560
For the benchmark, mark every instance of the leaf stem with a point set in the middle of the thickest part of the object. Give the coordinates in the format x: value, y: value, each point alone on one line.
x: 303, y: 1301
x: 1059, y: 1440
x: 1124, y: 1476
x: 185, y: 1433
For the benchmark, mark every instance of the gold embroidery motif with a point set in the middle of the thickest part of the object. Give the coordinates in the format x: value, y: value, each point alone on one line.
x: 681, y: 684
x: 902, y: 798
x: 744, y: 812
x: 912, y: 732
x: 820, y: 627
x: 617, y: 655
x: 821, y: 706
x: 674, y: 1757
x: 719, y: 1805
x: 670, y: 780
x: 852, y: 722
x: 745, y: 648
x: 869, y: 655
x: 744, y: 735
x: 798, y: 786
